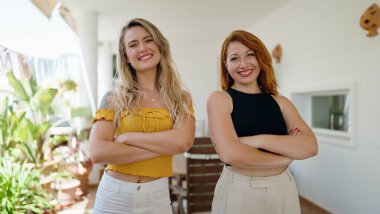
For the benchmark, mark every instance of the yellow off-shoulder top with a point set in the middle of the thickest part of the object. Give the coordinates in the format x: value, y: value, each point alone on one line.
x: 142, y: 120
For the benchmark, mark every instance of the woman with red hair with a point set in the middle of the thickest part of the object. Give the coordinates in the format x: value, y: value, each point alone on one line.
x: 256, y: 132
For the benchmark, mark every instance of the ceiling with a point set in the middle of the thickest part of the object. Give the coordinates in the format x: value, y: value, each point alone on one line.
x: 188, y: 24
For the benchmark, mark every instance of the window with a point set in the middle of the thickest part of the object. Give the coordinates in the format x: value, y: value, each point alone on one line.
x: 329, y: 110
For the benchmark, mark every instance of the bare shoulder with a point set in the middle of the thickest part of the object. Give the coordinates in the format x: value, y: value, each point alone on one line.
x: 107, y: 100
x: 220, y: 99
x: 281, y: 99
x: 283, y: 102
x: 218, y: 96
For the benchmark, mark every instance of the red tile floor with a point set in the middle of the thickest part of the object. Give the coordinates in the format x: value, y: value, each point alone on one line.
x: 85, y: 206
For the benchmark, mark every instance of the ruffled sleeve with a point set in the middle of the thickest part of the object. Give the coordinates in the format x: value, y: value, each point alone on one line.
x: 104, y: 114
x: 191, y: 110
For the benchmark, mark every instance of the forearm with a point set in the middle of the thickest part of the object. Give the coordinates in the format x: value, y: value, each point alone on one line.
x: 173, y: 141
x: 265, y: 160
x: 110, y: 152
x: 165, y: 142
x: 292, y: 146
x: 243, y: 156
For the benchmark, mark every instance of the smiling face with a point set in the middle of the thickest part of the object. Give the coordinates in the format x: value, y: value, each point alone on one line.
x: 242, y: 65
x: 141, y: 50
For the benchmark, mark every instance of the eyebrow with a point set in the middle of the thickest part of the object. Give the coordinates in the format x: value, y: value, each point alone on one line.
x: 132, y: 41
x: 234, y: 54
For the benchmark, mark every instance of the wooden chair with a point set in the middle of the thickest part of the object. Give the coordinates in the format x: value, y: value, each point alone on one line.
x: 203, y: 170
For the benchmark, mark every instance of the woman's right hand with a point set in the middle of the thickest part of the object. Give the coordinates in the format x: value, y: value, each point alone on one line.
x: 121, y: 138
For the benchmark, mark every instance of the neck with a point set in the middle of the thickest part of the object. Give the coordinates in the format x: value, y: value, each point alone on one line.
x: 250, y: 89
x: 147, y: 80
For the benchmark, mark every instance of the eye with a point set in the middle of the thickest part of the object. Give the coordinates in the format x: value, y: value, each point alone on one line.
x: 233, y: 59
x: 251, y: 54
x: 149, y: 40
x: 132, y: 45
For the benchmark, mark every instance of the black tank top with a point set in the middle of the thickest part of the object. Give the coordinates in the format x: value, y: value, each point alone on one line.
x: 255, y: 114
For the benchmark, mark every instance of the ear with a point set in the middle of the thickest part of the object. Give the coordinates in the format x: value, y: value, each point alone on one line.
x: 226, y: 65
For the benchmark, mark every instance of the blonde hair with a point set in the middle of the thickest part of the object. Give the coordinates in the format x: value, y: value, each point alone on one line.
x: 174, y: 95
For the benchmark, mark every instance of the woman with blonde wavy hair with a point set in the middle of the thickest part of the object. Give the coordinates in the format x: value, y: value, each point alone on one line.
x: 139, y: 126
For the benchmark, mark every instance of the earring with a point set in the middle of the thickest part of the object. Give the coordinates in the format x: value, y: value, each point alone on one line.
x: 229, y: 78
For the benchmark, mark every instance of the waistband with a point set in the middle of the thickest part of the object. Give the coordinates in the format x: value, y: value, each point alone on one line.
x: 254, y: 181
x: 125, y: 186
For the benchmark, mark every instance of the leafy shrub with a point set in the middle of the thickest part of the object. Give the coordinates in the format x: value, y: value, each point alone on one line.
x: 21, y: 191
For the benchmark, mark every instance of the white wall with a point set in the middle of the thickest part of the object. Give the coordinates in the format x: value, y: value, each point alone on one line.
x: 199, y: 71
x: 323, y: 44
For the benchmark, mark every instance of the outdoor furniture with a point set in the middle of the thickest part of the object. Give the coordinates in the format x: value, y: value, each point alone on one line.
x: 203, y: 168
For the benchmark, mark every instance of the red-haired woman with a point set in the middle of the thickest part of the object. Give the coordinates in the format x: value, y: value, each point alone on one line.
x: 256, y: 132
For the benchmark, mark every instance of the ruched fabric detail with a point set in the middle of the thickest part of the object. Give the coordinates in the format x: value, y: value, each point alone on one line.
x: 104, y: 114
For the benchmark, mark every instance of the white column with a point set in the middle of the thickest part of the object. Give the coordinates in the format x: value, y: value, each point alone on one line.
x: 87, y: 25
x: 105, y: 69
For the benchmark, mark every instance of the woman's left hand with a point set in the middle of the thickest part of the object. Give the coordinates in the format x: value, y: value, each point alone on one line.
x: 295, y: 131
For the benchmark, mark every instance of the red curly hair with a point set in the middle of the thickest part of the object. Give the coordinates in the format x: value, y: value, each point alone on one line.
x: 266, y: 79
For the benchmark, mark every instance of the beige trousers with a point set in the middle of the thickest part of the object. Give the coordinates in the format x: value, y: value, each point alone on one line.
x: 240, y: 194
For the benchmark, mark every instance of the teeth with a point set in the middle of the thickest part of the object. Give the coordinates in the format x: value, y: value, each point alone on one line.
x: 245, y: 73
x: 145, y: 57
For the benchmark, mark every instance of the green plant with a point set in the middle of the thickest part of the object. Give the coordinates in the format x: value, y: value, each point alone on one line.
x: 26, y: 129
x: 64, y: 98
x: 10, y: 130
x: 21, y: 191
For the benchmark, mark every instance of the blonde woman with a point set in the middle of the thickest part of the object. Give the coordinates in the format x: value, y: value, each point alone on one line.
x: 141, y: 125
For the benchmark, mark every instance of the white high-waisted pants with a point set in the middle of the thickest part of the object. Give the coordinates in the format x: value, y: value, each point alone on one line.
x: 236, y: 193
x: 115, y: 196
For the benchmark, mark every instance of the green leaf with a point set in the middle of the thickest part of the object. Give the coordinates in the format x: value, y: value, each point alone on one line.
x: 69, y: 85
x: 33, y: 84
x: 20, y: 189
x: 17, y: 86
x: 43, y: 99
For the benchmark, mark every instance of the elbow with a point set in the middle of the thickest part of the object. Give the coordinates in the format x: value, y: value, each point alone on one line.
x: 314, y: 149
x: 227, y: 158
x: 95, y: 155
x: 311, y: 151
x: 94, y: 160
x: 230, y: 160
x: 186, y: 145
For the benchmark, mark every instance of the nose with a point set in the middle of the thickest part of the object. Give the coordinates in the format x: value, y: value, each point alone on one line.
x: 244, y: 62
x: 142, y: 47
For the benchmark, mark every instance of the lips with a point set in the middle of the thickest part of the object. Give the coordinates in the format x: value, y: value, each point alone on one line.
x: 245, y: 73
x: 145, y: 57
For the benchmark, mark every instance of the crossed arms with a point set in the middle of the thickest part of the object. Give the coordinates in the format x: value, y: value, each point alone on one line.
x: 132, y: 147
x: 244, y: 152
